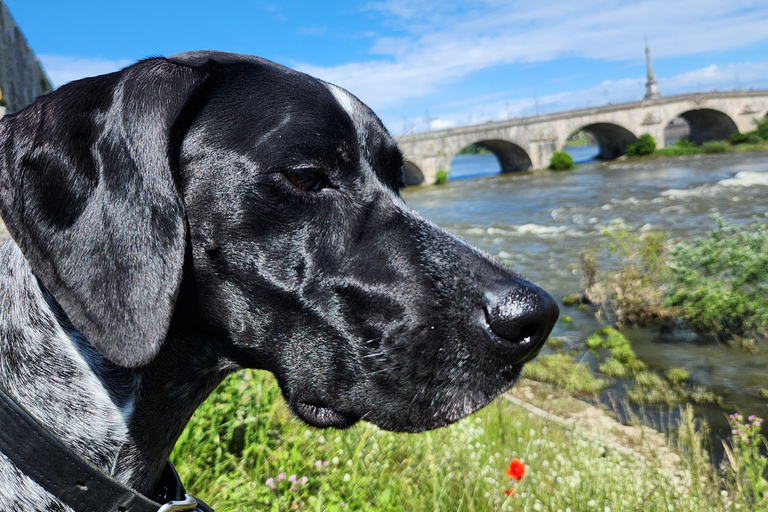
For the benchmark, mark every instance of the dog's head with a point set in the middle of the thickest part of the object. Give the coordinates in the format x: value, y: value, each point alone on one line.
x: 266, y: 201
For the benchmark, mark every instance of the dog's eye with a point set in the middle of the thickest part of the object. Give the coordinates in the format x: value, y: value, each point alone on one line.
x: 306, y: 179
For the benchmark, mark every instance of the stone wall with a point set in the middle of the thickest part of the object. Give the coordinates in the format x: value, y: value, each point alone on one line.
x: 22, y: 78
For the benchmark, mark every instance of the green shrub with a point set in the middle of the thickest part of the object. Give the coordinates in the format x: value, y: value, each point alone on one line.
x: 721, y: 280
x: 715, y: 146
x: 762, y: 128
x: 685, y: 142
x: 751, y: 137
x: 441, y: 177
x: 634, y: 294
x: 737, y: 138
x: 645, y: 145
x: 561, y: 161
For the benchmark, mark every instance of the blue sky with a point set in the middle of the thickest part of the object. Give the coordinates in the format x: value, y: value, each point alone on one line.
x: 429, y: 63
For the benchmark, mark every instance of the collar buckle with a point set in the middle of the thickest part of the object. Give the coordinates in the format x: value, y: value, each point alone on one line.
x: 187, y: 504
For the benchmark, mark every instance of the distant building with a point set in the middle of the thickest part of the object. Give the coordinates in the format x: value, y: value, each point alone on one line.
x: 22, y: 79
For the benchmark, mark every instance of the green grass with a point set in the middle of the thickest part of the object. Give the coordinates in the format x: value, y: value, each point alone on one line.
x: 243, y: 436
x: 563, y: 371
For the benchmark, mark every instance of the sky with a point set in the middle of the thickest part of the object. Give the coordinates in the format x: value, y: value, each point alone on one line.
x: 429, y: 64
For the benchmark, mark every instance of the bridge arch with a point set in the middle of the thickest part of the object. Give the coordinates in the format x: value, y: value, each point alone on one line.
x: 511, y: 157
x: 412, y: 175
x: 612, y: 139
x: 708, y: 124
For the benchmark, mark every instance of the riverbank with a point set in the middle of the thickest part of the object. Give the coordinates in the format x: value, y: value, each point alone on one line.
x: 243, y: 451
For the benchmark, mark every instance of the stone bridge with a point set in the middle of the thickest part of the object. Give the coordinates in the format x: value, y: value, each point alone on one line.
x: 528, y: 143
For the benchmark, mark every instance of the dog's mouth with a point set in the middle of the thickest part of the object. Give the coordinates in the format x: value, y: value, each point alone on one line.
x: 322, y: 416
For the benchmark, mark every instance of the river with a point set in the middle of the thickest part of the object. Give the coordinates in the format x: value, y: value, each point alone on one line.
x: 538, y: 223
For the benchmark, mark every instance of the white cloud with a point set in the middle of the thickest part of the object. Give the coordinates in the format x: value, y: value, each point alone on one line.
x: 65, y: 68
x: 443, y: 42
x: 615, y: 91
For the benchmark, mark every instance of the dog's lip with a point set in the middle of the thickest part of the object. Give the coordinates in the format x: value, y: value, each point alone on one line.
x: 322, y: 416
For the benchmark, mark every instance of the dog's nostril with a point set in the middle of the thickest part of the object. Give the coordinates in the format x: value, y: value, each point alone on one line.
x: 523, y: 316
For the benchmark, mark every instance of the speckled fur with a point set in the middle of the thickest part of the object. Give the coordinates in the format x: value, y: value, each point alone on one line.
x: 86, y: 401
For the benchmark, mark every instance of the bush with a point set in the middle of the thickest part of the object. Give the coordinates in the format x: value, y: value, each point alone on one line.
x: 737, y: 138
x: 752, y: 137
x: 441, y: 177
x: 645, y: 145
x: 634, y: 294
x: 561, y: 161
x: 685, y: 142
x: 721, y: 280
x: 715, y: 146
x: 762, y: 128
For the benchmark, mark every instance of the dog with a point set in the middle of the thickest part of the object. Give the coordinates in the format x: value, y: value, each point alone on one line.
x: 189, y: 216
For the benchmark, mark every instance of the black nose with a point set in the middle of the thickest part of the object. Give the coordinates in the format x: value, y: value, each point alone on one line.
x: 522, y: 316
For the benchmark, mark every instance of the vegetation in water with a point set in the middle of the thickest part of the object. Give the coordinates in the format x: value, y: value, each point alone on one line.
x: 561, y: 161
x: 565, y: 373
x: 717, y: 284
x: 633, y: 291
x: 441, y: 177
x: 720, y: 281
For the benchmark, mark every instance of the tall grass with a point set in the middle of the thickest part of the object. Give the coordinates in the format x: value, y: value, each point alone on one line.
x: 243, y: 451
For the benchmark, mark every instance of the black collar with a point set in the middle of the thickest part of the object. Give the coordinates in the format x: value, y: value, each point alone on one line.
x: 37, y: 453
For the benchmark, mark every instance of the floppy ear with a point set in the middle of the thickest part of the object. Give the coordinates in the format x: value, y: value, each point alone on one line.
x: 89, y: 193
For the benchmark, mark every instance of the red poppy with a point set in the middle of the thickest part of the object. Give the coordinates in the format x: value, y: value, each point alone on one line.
x: 511, y: 493
x: 516, y: 470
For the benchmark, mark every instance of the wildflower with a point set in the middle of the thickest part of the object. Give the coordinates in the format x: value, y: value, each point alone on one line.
x: 270, y: 483
x: 292, y: 478
x: 304, y: 480
x: 511, y: 493
x: 281, y: 476
x: 318, y: 463
x: 516, y: 470
x: 347, y: 478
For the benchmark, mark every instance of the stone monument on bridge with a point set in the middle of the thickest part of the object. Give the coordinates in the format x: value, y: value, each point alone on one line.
x: 651, y: 87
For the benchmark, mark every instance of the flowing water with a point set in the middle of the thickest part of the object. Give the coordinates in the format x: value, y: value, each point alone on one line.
x: 538, y: 223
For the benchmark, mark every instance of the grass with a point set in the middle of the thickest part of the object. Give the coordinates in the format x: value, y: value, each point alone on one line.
x: 562, y: 370
x: 243, y: 451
